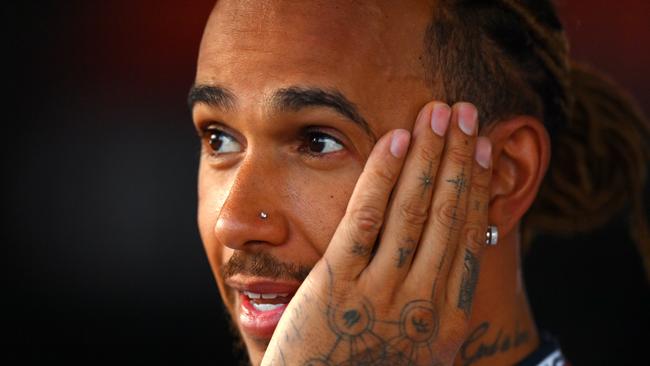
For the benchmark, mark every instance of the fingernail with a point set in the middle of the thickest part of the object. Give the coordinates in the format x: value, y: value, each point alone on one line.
x: 440, y: 118
x: 467, y: 118
x: 483, y: 152
x: 399, y: 143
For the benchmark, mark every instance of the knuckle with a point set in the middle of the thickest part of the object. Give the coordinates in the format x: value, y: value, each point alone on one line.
x: 459, y: 155
x: 426, y: 154
x: 449, y: 214
x: 366, y: 219
x: 480, y: 188
x: 383, y: 176
x: 472, y: 236
x: 413, y: 213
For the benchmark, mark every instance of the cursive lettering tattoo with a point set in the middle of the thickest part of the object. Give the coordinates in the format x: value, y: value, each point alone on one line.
x: 478, y: 346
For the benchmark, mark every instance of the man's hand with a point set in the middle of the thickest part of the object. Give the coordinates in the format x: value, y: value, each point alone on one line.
x: 396, y: 284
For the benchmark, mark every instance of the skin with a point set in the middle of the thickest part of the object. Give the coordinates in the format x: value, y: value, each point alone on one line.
x: 254, y: 48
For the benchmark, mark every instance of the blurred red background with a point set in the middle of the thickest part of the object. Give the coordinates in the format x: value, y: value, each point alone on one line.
x: 153, y: 44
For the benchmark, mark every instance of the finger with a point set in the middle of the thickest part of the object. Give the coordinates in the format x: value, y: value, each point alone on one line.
x: 353, y: 241
x: 448, y: 209
x: 464, y: 272
x: 409, y: 206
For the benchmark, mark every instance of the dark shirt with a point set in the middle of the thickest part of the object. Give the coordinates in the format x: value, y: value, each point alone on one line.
x: 547, y: 354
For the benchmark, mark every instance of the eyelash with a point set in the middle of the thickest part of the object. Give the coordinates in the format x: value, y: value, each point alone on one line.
x: 306, y: 135
x: 204, y: 133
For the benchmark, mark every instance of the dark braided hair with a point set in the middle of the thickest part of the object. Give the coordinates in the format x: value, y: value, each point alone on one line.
x: 511, y: 57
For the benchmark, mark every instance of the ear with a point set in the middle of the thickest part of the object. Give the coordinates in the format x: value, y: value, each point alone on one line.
x: 521, y: 151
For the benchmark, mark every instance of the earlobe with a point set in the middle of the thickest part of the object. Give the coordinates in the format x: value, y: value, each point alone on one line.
x: 521, y: 153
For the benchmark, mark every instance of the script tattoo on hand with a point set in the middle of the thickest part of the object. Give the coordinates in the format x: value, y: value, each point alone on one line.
x: 476, y: 347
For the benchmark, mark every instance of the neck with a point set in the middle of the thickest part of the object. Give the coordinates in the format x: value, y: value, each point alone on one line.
x: 502, y: 329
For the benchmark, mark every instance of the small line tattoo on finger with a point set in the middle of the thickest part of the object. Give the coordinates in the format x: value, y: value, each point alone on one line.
x: 403, y: 254
x: 359, y: 249
x: 468, y: 282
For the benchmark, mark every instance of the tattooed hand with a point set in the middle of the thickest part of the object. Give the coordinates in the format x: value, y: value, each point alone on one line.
x: 396, y: 283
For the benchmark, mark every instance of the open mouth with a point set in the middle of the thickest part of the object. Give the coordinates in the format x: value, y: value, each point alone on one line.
x: 266, y: 302
x: 261, y: 305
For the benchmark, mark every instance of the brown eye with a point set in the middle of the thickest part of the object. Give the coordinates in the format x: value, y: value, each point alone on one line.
x: 222, y: 143
x: 320, y: 143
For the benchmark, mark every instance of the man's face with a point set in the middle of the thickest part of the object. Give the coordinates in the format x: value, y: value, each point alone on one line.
x: 308, y: 87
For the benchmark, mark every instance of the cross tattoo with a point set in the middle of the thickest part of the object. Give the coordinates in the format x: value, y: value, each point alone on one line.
x: 460, y: 182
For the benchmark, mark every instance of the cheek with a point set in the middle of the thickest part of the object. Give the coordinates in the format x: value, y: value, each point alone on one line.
x: 319, y: 202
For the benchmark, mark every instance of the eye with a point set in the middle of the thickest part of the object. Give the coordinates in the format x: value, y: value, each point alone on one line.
x: 222, y: 143
x: 321, y: 143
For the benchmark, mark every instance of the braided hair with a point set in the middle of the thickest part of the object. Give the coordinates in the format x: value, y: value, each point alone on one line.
x: 511, y: 57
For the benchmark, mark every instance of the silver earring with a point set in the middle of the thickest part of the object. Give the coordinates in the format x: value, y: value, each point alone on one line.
x: 264, y: 215
x: 492, y: 235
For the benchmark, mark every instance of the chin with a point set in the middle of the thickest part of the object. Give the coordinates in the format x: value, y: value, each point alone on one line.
x: 255, y: 352
x: 253, y: 323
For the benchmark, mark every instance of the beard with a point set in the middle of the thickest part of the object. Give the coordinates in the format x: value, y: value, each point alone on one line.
x: 262, y: 264
x: 238, y: 345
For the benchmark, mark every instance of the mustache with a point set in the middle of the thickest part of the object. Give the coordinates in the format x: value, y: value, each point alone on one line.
x: 262, y: 264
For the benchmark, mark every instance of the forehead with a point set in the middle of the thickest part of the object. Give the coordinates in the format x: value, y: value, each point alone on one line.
x: 370, y: 50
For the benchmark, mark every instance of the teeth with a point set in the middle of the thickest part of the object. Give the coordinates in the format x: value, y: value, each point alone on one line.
x: 253, y: 295
x: 266, y: 307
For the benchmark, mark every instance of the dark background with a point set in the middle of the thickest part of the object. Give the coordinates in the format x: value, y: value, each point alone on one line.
x: 104, y: 262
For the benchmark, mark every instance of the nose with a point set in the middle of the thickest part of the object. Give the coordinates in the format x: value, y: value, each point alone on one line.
x: 252, y: 213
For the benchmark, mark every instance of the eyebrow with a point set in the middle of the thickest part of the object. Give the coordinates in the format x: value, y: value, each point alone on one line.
x: 212, y: 95
x: 293, y: 98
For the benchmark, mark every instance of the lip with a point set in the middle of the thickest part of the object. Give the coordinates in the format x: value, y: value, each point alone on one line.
x: 253, y: 322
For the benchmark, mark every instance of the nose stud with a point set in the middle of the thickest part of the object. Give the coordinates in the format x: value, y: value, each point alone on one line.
x: 264, y: 215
